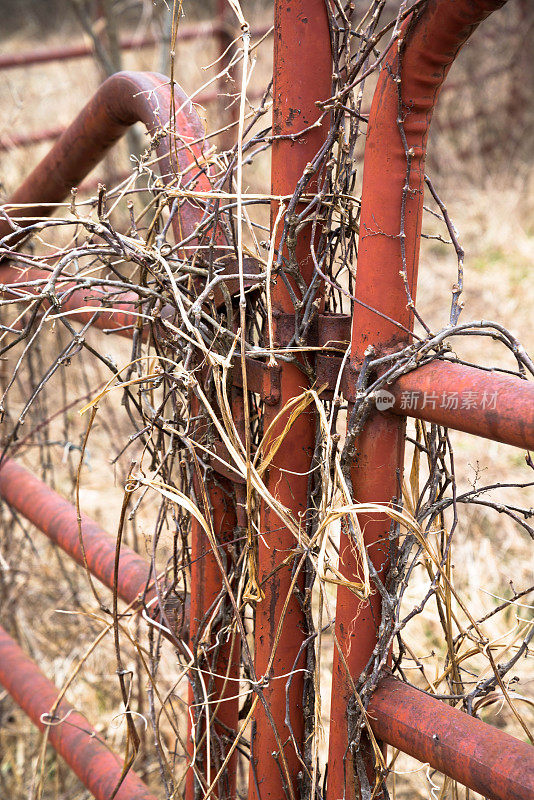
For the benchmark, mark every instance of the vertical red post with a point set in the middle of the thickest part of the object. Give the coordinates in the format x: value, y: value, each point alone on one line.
x: 429, y: 43
x: 207, y: 587
x: 302, y: 76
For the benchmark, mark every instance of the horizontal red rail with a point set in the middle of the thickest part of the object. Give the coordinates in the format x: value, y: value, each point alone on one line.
x: 14, y: 140
x: 479, y: 756
x: 489, y: 404
x: 58, y: 520
x: 43, y: 55
x: 483, y: 402
x: 121, y: 318
x: 117, y: 316
x: 98, y: 768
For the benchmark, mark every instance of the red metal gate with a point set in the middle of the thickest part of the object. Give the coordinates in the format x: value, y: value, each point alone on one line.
x: 415, y: 66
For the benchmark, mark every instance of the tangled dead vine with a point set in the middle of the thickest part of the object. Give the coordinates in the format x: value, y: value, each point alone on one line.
x: 193, y: 331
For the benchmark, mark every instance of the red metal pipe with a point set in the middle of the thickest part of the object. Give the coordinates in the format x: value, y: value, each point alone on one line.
x: 485, y: 403
x: 469, y: 751
x: 122, y: 317
x: 489, y: 404
x: 430, y: 40
x: 98, y: 768
x: 302, y: 76
x: 15, y: 140
x: 120, y: 102
x: 228, y: 514
x: 42, y: 55
x: 206, y: 586
x: 45, y: 54
x: 58, y: 520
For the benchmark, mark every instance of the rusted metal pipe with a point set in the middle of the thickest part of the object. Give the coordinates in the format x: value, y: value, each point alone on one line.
x: 207, y: 586
x: 114, y: 316
x: 15, y: 140
x: 58, y: 520
x: 302, y: 76
x: 390, y: 232
x: 469, y: 751
x: 120, y: 102
x: 69, y: 732
x: 482, y: 402
x: 43, y: 55
x: 121, y: 317
x: 485, y: 403
x: 217, y: 672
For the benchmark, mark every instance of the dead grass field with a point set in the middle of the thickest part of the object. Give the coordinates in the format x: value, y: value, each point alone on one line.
x: 46, y: 603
